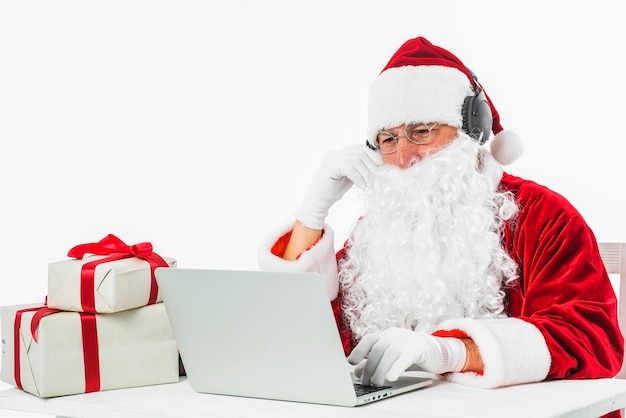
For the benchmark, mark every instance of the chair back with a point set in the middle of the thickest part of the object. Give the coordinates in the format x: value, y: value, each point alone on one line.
x: 614, y: 257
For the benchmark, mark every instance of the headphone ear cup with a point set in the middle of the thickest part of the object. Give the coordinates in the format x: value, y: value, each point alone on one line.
x: 466, y: 111
x: 477, y: 118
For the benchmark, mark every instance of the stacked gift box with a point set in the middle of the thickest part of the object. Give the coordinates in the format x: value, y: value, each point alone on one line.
x: 103, y: 325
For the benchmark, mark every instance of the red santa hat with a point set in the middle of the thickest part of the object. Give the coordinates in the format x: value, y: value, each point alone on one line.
x: 425, y: 83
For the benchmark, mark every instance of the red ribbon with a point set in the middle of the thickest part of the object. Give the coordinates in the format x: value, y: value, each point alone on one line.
x: 89, y: 329
x: 16, y: 345
x: 39, y: 315
x: 116, y: 249
x: 91, y: 357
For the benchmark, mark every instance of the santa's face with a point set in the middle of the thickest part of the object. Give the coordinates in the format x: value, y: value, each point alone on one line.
x: 428, y: 246
x: 409, y: 153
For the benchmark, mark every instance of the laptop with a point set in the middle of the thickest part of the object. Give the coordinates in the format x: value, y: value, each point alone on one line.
x: 264, y: 335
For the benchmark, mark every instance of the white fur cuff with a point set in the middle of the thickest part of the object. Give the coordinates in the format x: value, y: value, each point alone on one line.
x: 318, y: 259
x: 513, y: 351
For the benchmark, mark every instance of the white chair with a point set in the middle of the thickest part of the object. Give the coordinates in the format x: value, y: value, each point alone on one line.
x: 614, y: 258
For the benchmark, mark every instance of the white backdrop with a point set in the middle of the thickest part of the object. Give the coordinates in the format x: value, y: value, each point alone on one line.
x: 195, y: 125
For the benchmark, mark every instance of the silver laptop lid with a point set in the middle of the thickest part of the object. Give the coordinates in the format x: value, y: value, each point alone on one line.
x: 257, y: 334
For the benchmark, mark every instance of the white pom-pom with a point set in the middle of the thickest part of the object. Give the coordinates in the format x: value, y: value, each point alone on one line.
x: 506, y: 147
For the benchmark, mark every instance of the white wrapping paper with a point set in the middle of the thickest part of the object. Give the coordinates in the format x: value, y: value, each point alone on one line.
x: 135, y: 348
x: 118, y: 285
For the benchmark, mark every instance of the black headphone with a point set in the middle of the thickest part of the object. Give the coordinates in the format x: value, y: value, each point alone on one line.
x: 477, y: 117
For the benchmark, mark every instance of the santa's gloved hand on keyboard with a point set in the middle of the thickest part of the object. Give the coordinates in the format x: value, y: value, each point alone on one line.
x: 394, y: 350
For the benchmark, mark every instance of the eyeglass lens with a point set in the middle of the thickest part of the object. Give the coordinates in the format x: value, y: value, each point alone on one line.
x: 417, y: 133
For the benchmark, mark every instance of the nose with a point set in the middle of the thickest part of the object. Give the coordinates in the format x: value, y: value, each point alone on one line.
x: 406, y: 154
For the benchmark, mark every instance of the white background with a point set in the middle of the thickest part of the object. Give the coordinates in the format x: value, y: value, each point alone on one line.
x: 195, y: 125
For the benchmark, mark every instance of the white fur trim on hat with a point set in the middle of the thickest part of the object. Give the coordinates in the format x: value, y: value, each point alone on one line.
x: 425, y: 93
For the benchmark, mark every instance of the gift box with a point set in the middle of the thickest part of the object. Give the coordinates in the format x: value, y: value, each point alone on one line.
x: 115, y: 278
x: 50, y: 353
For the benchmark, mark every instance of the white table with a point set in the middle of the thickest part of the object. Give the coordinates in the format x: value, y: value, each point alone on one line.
x: 563, y: 398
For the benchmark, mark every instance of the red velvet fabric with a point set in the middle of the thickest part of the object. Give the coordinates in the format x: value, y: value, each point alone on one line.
x: 563, y: 290
x: 281, y: 245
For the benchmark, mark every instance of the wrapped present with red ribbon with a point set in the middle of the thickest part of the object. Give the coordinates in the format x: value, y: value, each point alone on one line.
x: 113, y: 278
x: 49, y: 352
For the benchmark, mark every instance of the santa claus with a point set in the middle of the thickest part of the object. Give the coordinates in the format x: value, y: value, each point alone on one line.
x: 455, y: 267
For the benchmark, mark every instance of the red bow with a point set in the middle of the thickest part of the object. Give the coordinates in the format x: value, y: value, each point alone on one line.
x: 111, y: 245
x: 116, y: 249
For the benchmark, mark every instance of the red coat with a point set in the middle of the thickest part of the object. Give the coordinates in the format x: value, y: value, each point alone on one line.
x: 562, y: 313
x: 564, y: 290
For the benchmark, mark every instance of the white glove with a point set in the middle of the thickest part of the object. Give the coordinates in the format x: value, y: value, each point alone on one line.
x: 336, y: 174
x: 394, y: 350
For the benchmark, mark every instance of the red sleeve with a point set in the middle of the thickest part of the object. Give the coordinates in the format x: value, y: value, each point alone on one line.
x: 453, y: 333
x: 278, y: 249
x: 564, y: 289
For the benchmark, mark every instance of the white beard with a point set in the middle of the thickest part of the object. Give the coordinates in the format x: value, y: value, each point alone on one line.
x: 429, y: 245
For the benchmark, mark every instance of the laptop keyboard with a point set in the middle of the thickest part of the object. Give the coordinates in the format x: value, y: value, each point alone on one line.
x: 364, y: 389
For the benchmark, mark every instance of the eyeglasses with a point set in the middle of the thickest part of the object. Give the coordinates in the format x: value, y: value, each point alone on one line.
x: 417, y: 133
